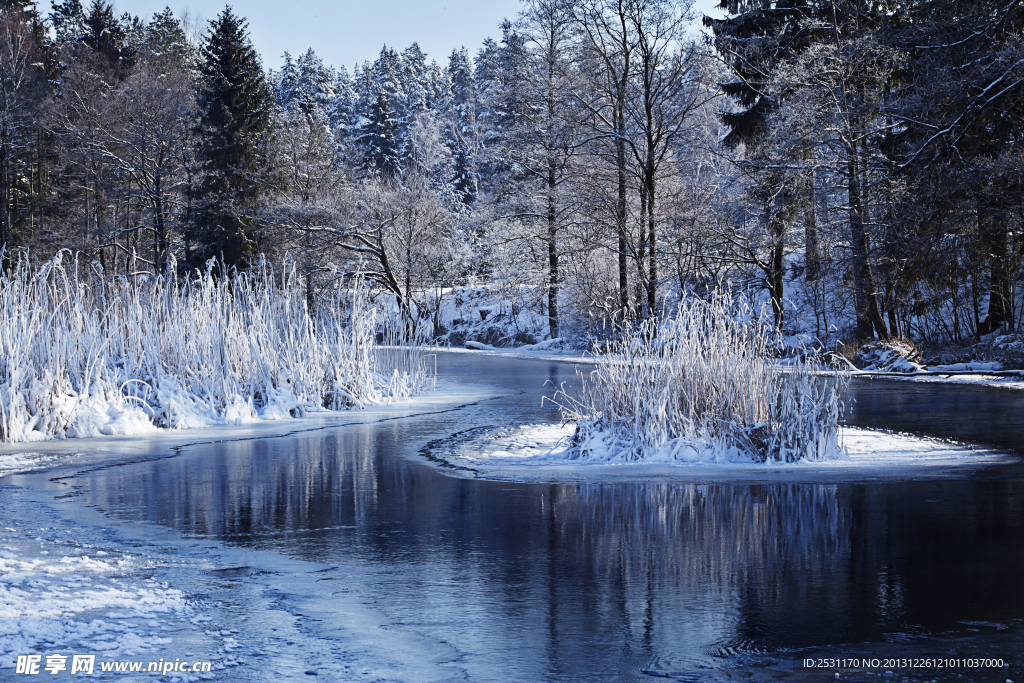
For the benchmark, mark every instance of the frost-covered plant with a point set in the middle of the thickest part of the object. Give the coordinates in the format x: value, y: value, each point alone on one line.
x: 704, y: 385
x: 82, y: 354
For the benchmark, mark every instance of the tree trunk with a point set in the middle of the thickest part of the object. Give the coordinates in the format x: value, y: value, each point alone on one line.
x: 996, y: 236
x: 160, y: 243
x: 620, y: 209
x: 552, y: 254
x: 641, y: 255
x: 812, y: 251
x: 776, y: 267
x: 652, y: 254
x: 869, y: 319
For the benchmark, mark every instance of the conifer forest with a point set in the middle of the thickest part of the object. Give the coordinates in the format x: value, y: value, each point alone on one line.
x: 854, y: 167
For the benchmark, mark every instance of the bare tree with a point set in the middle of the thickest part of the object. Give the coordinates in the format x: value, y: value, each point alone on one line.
x: 21, y: 91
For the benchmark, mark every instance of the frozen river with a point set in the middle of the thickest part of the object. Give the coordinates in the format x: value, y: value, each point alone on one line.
x: 342, y: 552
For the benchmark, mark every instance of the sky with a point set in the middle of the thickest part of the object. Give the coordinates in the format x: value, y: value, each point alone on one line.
x: 346, y: 32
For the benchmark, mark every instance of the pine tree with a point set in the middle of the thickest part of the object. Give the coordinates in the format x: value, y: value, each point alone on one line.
x: 314, y: 86
x: 285, y: 81
x: 415, y: 85
x: 235, y: 103
x: 106, y: 35
x: 166, y: 40
x: 342, y: 107
x: 68, y: 19
x: 462, y: 124
x: 379, y: 140
x: 381, y: 132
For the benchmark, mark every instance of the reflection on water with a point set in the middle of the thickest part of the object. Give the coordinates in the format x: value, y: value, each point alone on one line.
x: 591, y: 582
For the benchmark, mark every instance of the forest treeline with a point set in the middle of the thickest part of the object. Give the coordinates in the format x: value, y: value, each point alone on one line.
x: 856, y: 164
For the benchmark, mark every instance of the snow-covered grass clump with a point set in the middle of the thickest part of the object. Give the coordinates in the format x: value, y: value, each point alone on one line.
x: 704, y: 385
x: 82, y: 354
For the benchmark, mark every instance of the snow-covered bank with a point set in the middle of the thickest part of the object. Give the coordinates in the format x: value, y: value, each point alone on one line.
x: 900, y: 359
x: 1004, y: 380
x: 544, y: 453
x: 547, y: 350
x: 84, y: 355
x: 68, y: 588
x: 76, y: 582
x: 71, y: 455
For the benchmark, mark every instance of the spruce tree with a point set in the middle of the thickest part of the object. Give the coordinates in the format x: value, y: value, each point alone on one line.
x: 106, y: 35
x: 342, y: 106
x: 382, y: 132
x: 235, y: 104
x: 460, y: 133
x: 68, y: 19
x: 379, y: 140
x: 166, y: 40
x: 314, y: 87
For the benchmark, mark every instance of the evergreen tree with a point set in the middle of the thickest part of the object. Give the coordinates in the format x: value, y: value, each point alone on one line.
x: 106, y: 35
x: 235, y: 105
x: 381, y: 132
x: 166, y: 40
x: 379, y: 140
x: 342, y: 107
x: 314, y: 86
x: 285, y: 81
x: 461, y: 131
x: 414, y: 80
x: 498, y: 75
x: 68, y: 19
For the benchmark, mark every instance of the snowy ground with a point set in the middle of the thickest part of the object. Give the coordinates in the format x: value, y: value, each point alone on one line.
x: 968, y: 375
x: 540, y: 453
x: 547, y: 350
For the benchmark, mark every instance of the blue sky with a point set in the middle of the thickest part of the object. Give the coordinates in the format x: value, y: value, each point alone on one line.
x: 348, y: 32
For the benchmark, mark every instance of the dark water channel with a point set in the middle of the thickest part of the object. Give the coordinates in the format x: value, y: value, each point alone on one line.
x: 590, y: 582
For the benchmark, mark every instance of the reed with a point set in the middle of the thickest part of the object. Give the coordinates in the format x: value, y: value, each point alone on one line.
x: 705, y: 384
x: 83, y: 354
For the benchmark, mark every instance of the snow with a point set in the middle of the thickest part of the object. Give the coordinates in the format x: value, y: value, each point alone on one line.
x: 894, y: 355
x: 18, y: 462
x: 993, y: 366
x: 1005, y: 381
x: 75, y: 582
x: 66, y: 589
x: 543, y: 453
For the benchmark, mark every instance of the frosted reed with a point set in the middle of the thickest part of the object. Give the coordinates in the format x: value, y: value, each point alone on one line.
x: 82, y: 354
x: 706, y: 384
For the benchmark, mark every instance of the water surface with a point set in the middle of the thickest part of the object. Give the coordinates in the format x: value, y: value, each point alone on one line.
x: 604, y: 582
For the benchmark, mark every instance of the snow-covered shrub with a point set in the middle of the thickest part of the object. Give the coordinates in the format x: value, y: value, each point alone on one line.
x: 705, y: 385
x: 999, y: 350
x: 889, y: 355
x: 82, y: 354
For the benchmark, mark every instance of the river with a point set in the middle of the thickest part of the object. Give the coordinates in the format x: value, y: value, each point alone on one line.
x: 621, y: 581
